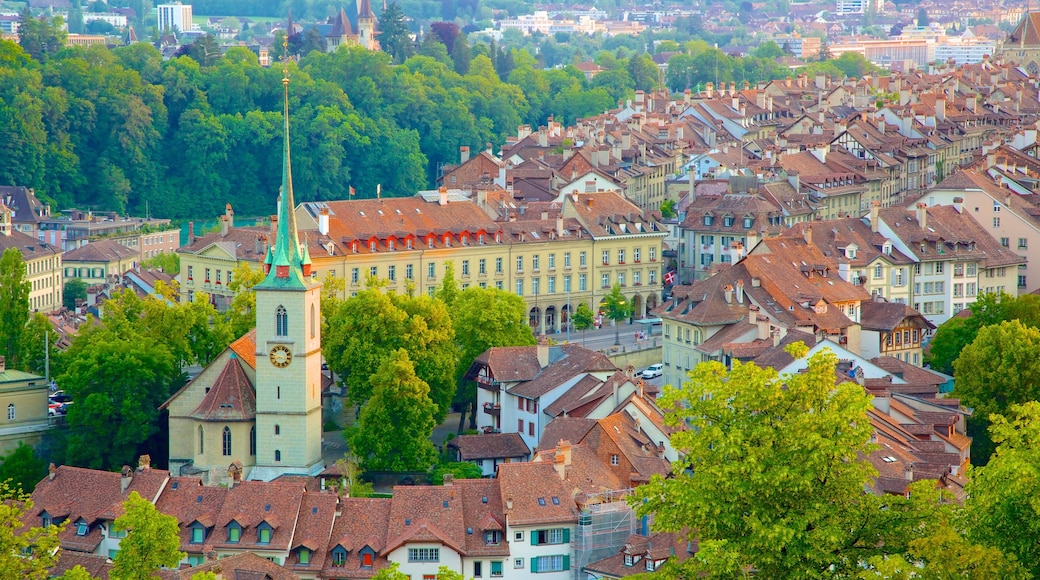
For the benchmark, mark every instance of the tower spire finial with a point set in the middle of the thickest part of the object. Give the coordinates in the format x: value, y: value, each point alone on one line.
x: 286, y: 257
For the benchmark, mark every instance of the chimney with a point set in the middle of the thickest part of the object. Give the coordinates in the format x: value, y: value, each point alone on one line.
x: 881, y: 124
x: 807, y: 235
x: 940, y: 108
x: 52, y: 470
x: 709, y: 88
x: 559, y: 226
x: 543, y: 353
x: 958, y: 204
x: 144, y: 462
x: 230, y: 214
x: 922, y: 215
x: 191, y: 233
x: 875, y: 215
x: 776, y: 337
x: 449, y: 479
x: 442, y: 196
x: 740, y: 291
x: 258, y: 246
x: 463, y: 154
x: 760, y: 99
x: 727, y: 293
x: 732, y: 89
x: 274, y: 228
x: 545, y: 215
x: 908, y: 471
x: 761, y: 327
x: 752, y: 240
x: 224, y: 227
x: 126, y: 476
x: 323, y: 221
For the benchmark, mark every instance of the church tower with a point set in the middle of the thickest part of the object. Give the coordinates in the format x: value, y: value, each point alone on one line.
x: 288, y: 347
x: 366, y: 23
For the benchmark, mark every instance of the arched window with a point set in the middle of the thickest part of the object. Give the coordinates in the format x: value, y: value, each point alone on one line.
x: 277, y: 455
x: 10, y: 412
x: 202, y: 446
x: 281, y: 322
x: 277, y: 429
x: 227, y: 441
x: 252, y: 440
x: 314, y: 321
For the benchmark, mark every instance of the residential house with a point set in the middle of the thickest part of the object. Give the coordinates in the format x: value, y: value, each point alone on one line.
x: 540, y: 517
x: 99, y: 262
x: 488, y: 450
x: 721, y: 229
x: 642, y: 553
x: 26, y: 209
x: 24, y: 396
x: 209, y: 261
x: 42, y: 264
x: 895, y: 330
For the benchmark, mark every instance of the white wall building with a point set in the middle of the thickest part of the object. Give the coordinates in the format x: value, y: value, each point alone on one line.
x: 170, y: 16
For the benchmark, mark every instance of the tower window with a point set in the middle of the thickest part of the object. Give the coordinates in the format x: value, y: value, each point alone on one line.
x: 202, y: 447
x: 277, y: 429
x: 281, y: 322
x: 277, y: 454
x: 227, y: 441
x: 252, y: 440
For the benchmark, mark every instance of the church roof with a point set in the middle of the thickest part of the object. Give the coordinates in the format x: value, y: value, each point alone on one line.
x: 231, y: 398
x: 1027, y: 33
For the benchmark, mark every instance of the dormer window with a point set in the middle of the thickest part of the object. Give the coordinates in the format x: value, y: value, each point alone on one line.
x: 198, y: 533
x: 492, y: 537
x: 628, y: 560
x: 748, y: 222
x: 465, y: 240
x: 372, y: 245
x: 708, y: 220
x: 482, y: 239
x: 82, y: 528
x: 391, y: 244
x: 447, y: 240
x: 45, y: 519
x: 649, y: 565
x: 263, y: 533
x: 367, y: 557
x: 339, y: 556
x: 727, y: 221
x: 234, y: 532
x: 305, y: 556
x: 354, y: 247
x: 429, y: 241
x: 408, y: 243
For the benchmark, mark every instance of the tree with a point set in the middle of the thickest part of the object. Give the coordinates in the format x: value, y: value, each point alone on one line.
x: 1002, y: 510
x: 75, y: 289
x: 668, y: 208
x: 118, y: 378
x: 393, y: 432
x: 643, y: 71
x: 990, y: 308
x: 14, y: 304
x: 769, y: 49
x: 366, y: 329
x: 350, y: 481
x: 39, y: 343
x: 241, y: 314
x: 77, y: 572
x: 394, y: 37
x: 40, y: 37
x: 617, y: 308
x: 998, y: 369
x: 772, y: 475
x: 152, y: 540
x: 25, y: 552
x: 458, y: 470
x: 393, y: 573
x: 22, y: 469
x: 583, y: 319
x: 168, y: 262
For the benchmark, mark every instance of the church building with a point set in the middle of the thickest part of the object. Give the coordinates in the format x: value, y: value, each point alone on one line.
x: 1023, y: 44
x: 255, y: 411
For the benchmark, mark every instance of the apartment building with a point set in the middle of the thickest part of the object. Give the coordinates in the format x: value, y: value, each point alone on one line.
x: 43, y: 269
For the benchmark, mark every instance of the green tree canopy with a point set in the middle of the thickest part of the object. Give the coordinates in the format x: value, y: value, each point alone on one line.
x: 998, y: 369
x: 14, y: 305
x: 772, y: 475
x: 393, y: 431
x: 25, y: 552
x: 394, y: 37
x: 22, y: 468
x: 1002, y: 510
x: 583, y: 318
x: 152, y: 541
x: 75, y: 289
x: 617, y: 308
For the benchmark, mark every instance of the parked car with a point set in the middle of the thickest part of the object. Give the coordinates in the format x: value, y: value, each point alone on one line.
x: 653, y: 371
x: 59, y: 397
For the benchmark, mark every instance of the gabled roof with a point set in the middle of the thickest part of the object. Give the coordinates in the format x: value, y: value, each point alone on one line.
x: 250, y: 503
x: 231, y: 398
x: 186, y: 499
x: 366, y: 525
x: 886, y: 316
x: 100, y: 251
x: 490, y: 446
x: 528, y: 490
x: 571, y: 429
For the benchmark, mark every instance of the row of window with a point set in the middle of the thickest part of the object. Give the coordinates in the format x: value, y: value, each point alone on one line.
x: 38, y: 266
x: 690, y: 336
x: 218, y: 275
x: 234, y: 533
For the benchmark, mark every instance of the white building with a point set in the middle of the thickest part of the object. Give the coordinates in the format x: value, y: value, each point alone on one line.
x: 171, y: 16
x: 858, y: 6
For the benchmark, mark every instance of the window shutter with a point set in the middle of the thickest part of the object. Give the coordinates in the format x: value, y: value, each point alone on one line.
x: 566, y: 535
x: 566, y: 562
x: 534, y: 537
x: 534, y: 565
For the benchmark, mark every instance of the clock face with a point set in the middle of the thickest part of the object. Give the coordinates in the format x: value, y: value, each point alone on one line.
x: 281, y: 356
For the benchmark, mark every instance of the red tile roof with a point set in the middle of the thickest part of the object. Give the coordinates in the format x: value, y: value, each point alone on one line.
x: 231, y: 398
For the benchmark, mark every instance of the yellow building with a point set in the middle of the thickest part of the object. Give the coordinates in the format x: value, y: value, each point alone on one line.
x: 207, y: 262
x: 23, y: 398
x: 554, y: 260
x: 42, y: 264
x: 98, y: 262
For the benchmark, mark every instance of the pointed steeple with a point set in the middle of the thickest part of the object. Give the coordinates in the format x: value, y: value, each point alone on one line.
x: 285, y: 258
x: 365, y: 11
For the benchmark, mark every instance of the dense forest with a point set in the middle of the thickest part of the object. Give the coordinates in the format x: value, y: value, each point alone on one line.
x: 123, y: 130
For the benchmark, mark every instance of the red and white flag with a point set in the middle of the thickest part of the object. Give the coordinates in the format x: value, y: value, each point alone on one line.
x: 669, y: 277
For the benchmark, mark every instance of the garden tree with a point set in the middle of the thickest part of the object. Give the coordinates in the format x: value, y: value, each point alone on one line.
x: 432, y: 46
x: 22, y: 469
x: 204, y: 50
x: 77, y: 572
x: 168, y: 262
x: 25, y: 552
x: 208, y: 575
x: 394, y: 37
x: 14, y: 305
x: 643, y: 71
x: 118, y: 377
x: 393, y: 431
x: 617, y: 82
x: 617, y: 308
x: 241, y: 314
x: 461, y: 55
x: 350, y: 482
x: 447, y: 32
x: 943, y: 554
x: 990, y: 308
x: 152, y: 541
x: 393, y: 573
x: 583, y: 319
x: 366, y: 329
x: 75, y: 289
x: 768, y: 49
x: 39, y: 341
x: 668, y: 208
x: 772, y: 475
x: 998, y: 369
x: 448, y: 291
x: 459, y: 470
x: 484, y: 318
x: 1002, y: 510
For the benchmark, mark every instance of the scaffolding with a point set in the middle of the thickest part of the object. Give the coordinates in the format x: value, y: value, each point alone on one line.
x: 604, y: 525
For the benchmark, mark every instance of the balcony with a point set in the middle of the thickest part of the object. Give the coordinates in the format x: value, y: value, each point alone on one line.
x: 493, y: 409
